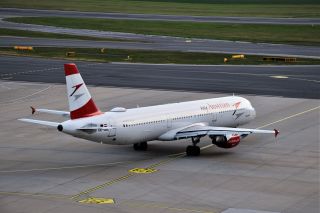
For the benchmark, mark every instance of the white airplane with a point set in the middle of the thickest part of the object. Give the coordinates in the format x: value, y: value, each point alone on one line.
x: 216, y: 118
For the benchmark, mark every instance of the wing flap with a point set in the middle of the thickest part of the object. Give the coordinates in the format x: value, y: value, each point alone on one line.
x: 197, y: 130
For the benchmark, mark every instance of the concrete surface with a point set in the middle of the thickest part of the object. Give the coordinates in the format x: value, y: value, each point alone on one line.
x: 42, y: 170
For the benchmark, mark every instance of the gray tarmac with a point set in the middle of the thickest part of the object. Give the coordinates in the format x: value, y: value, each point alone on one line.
x: 42, y: 170
x: 283, y: 81
x: 170, y: 44
x: 9, y: 12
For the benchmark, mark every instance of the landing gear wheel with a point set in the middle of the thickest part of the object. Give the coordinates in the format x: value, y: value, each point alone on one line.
x: 193, y: 151
x: 143, y: 146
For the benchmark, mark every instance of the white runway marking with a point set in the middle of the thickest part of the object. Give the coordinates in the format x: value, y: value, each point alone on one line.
x: 24, y: 97
x: 64, y: 167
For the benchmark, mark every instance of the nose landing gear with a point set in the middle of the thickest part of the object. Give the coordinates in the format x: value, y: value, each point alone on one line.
x: 193, y: 150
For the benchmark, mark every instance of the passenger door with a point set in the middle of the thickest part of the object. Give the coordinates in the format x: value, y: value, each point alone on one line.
x: 214, y: 119
x: 112, y: 132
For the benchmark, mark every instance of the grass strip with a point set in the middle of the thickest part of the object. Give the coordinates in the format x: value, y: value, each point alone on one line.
x: 33, y: 34
x: 254, y: 8
x: 287, y: 34
x: 146, y: 56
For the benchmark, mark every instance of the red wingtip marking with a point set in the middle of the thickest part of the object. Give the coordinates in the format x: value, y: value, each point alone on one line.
x: 70, y: 69
x: 276, y: 132
x: 33, y: 110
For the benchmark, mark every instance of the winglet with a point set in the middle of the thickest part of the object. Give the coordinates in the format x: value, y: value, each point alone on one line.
x: 276, y: 133
x: 33, y: 110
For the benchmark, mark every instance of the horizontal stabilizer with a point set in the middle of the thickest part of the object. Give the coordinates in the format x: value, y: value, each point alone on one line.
x: 53, y: 112
x: 45, y: 123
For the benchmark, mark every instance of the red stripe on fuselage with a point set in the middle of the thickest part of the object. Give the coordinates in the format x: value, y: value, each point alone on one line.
x: 88, y: 110
x: 70, y: 69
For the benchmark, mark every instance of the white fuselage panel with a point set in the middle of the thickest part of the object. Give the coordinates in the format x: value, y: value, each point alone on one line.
x: 149, y: 123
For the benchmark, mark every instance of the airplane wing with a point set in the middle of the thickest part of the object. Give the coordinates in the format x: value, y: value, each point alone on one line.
x: 49, y: 111
x: 196, y: 131
x: 200, y: 130
x: 45, y: 123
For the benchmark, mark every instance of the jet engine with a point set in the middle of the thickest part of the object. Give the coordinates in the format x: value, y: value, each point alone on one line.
x: 221, y: 141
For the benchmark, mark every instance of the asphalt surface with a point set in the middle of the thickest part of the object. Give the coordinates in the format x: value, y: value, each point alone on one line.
x: 44, y: 171
x: 173, y: 44
x: 283, y: 81
x: 8, y: 12
x: 153, y: 41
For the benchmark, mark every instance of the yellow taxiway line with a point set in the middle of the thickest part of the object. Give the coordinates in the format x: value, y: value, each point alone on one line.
x: 172, y: 157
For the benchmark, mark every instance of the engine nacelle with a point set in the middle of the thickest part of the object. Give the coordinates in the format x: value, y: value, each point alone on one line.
x: 222, y: 142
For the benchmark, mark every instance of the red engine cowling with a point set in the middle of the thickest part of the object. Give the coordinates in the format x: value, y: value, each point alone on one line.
x: 222, y: 142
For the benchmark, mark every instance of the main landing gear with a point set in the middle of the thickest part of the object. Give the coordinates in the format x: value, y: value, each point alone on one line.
x: 143, y: 146
x: 193, y: 150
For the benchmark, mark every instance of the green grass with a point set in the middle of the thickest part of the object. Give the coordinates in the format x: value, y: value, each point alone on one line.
x: 143, y: 56
x: 300, y: 34
x: 259, y: 8
x: 26, y: 33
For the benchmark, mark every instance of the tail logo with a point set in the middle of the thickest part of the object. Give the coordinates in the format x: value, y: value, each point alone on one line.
x: 76, y: 87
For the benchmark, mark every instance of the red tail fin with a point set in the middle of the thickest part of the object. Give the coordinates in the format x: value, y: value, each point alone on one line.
x: 80, y: 102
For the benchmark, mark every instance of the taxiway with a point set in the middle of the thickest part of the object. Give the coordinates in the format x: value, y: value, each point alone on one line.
x: 45, y: 171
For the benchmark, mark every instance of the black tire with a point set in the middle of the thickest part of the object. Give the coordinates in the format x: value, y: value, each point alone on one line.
x: 140, y: 146
x: 143, y: 146
x: 196, y: 151
x: 136, y: 146
x: 193, y: 151
x: 189, y: 150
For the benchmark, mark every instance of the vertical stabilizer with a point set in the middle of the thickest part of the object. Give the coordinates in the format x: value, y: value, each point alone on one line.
x: 80, y: 102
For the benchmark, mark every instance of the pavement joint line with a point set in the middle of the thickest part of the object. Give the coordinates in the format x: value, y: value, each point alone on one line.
x: 27, y: 96
x: 166, y: 161
x: 125, y: 177
x: 228, y: 73
x: 214, y: 65
x: 93, y: 189
x: 161, y: 206
x: 59, y: 196
x: 65, y: 167
x: 288, y: 117
x: 122, y: 178
x: 46, y: 69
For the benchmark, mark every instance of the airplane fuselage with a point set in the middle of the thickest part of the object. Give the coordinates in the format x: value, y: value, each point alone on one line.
x: 217, y: 118
x: 130, y: 126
